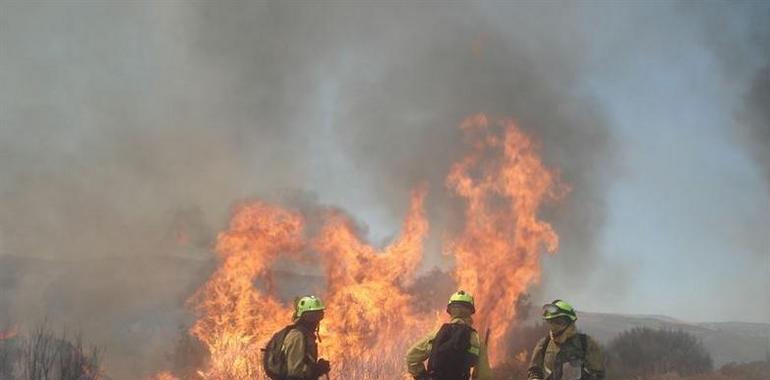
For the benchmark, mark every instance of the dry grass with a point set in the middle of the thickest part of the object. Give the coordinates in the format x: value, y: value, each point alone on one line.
x: 43, y: 355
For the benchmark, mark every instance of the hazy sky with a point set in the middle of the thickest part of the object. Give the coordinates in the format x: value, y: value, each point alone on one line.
x: 688, y: 224
x: 121, y: 119
x: 689, y: 214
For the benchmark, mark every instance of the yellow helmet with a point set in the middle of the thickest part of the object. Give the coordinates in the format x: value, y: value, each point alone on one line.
x: 462, y: 297
x: 308, y: 303
x: 559, y: 308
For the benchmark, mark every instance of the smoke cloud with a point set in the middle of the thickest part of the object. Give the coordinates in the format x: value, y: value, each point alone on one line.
x: 130, y: 129
x: 755, y: 121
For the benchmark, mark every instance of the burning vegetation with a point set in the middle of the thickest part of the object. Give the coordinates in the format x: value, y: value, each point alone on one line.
x: 41, y: 354
x: 371, y: 315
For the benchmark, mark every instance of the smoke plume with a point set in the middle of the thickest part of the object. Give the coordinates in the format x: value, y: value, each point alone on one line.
x: 756, y: 121
x: 130, y: 129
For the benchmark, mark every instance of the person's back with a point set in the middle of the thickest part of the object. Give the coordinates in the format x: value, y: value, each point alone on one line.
x: 301, y: 352
x: 452, y: 350
x: 565, y: 354
x: 451, y: 356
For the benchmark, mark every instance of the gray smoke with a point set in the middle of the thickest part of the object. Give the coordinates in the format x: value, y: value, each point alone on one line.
x: 755, y: 121
x: 739, y: 36
x: 757, y: 130
x: 130, y: 129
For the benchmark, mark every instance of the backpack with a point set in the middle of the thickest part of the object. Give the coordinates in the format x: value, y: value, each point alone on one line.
x: 273, y: 357
x: 449, y: 357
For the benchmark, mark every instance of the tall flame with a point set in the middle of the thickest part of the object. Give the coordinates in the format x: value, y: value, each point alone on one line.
x: 370, y: 316
x: 503, y: 182
x: 368, y: 305
x: 236, y: 316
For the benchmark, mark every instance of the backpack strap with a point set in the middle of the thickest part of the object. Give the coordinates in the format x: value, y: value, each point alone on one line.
x: 543, y: 349
x: 584, y: 349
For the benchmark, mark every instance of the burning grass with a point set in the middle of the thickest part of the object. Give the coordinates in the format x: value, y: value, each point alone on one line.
x: 371, y: 316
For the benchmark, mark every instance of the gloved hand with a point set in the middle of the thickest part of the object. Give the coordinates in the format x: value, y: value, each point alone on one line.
x: 322, y: 367
x: 535, y: 373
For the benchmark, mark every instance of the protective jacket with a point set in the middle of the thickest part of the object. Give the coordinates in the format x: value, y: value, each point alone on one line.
x: 420, y: 351
x: 569, y: 356
x: 301, y: 352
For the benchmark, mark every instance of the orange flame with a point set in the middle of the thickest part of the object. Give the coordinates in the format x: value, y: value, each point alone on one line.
x: 236, y: 316
x: 368, y: 305
x: 9, y: 333
x: 370, y: 317
x: 503, y: 182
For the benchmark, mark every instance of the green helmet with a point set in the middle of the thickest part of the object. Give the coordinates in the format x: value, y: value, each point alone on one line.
x: 463, y: 298
x: 559, y: 308
x: 308, y: 303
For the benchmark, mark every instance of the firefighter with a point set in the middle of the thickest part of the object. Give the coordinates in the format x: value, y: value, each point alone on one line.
x: 300, y: 345
x: 453, y: 349
x: 565, y: 353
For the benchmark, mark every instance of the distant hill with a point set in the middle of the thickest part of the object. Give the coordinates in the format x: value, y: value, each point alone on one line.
x: 726, y: 341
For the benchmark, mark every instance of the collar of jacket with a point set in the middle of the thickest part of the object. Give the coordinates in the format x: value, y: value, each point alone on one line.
x: 569, y: 332
x: 305, y: 329
x: 465, y: 321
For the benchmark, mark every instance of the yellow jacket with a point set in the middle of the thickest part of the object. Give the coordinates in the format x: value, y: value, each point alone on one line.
x: 548, y: 360
x: 301, y: 353
x: 420, y: 351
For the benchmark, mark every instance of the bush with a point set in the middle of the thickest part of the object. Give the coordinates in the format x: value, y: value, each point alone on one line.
x: 645, y: 353
x: 9, y: 354
x: 758, y: 370
x: 42, y: 355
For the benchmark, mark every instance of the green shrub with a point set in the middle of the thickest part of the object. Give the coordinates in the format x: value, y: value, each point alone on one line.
x: 644, y: 353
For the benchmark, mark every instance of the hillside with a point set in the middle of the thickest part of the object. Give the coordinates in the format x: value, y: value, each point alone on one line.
x: 726, y: 341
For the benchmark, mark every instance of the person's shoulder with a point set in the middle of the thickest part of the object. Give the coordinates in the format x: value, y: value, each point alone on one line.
x: 294, y: 333
x: 588, y: 339
x: 463, y: 322
x: 293, y: 339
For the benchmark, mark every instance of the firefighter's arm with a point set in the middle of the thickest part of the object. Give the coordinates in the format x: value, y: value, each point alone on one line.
x: 296, y: 362
x: 594, y: 362
x: 535, y: 371
x: 480, y: 361
x: 417, y: 354
x: 475, y: 347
